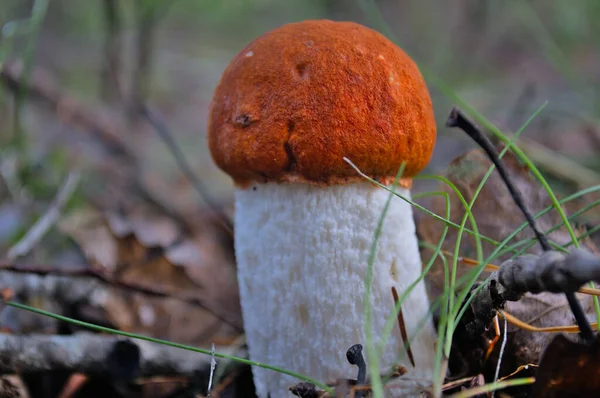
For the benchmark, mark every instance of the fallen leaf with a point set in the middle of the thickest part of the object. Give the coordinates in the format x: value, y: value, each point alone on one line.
x: 138, y: 246
x: 12, y: 386
x: 569, y: 369
x: 497, y: 216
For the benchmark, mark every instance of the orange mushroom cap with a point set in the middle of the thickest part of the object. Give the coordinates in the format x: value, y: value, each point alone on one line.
x: 298, y: 99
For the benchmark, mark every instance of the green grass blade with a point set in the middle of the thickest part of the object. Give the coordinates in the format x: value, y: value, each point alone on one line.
x: 167, y: 343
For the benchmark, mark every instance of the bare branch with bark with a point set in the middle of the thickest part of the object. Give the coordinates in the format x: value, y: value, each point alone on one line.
x: 83, y: 285
x: 114, y: 357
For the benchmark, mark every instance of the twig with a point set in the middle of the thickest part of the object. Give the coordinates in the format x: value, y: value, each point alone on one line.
x: 501, y: 355
x: 238, y: 343
x: 101, y: 126
x: 552, y: 272
x: 44, y: 223
x: 102, y: 276
x: 99, y: 355
x: 457, y: 119
x: 165, y: 135
x: 213, y: 364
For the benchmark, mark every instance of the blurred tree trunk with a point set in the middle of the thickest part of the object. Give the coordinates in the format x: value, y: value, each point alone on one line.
x: 146, y: 19
x: 110, y: 88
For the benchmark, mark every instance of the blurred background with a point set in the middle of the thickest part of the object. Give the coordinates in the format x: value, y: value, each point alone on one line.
x: 504, y: 58
x: 94, y: 94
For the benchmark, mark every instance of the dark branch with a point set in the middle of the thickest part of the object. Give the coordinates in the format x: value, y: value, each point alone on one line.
x: 552, y: 272
x: 98, y: 355
x: 457, y: 119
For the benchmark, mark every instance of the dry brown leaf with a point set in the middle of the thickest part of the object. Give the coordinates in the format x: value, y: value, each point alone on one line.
x: 569, y: 369
x: 495, y: 212
x: 12, y: 386
x: 497, y: 216
x: 151, y: 251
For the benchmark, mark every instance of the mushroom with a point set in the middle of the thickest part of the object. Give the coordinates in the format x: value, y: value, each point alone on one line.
x: 288, y: 109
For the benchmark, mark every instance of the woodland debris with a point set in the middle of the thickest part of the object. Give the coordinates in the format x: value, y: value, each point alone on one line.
x: 104, y: 126
x: 91, y: 299
x: 82, y: 274
x: 458, y: 119
x: 497, y: 216
x: 553, y: 272
x: 48, y: 219
x: 114, y: 357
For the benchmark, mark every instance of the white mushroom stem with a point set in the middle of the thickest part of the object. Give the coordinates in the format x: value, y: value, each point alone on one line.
x: 302, y: 254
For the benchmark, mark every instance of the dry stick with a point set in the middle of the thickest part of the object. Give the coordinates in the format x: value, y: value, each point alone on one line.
x: 213, y: 364
x: 109, y: 134
x: 553, y: 272
x: 587, y: 264
x: 501, y: 355
x: 102, y: 127
x: 165, y: 135
x: 44, y: 270
x: 68, y: 110
x: 49, y: 218
x: 457, y: 119
x: 102, y: 355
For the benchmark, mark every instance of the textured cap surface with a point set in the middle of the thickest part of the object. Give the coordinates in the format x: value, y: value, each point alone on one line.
x: 298, y: 99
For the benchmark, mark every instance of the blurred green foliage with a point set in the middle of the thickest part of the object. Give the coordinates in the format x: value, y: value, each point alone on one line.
x: 503, y: 57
